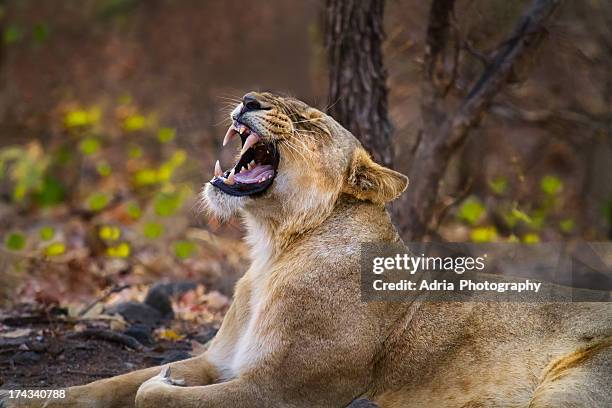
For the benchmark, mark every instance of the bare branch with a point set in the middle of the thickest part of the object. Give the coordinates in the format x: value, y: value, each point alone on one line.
x: 442, y: 132
x: 525, y: 34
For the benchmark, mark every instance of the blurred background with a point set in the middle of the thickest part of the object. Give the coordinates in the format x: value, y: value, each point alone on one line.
x: 112, y: 114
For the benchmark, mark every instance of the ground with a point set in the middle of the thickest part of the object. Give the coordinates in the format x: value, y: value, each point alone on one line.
x: 48, y: 348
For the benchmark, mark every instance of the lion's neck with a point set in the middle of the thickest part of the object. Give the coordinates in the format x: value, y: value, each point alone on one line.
x: 270, y: 236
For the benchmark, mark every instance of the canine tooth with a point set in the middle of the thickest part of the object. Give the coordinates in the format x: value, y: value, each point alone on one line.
x: 230, y: 179
x: 231, y: 132
x: 218, y: 171
x: 250, y: 141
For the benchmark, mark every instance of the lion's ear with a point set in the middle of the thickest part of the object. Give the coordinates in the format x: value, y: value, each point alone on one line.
x: 370, y: 181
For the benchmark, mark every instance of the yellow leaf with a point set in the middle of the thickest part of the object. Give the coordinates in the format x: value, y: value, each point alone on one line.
x: 122, y: 250
x: 169, y: 334
x: 484, y: 234
x: 55, y: 249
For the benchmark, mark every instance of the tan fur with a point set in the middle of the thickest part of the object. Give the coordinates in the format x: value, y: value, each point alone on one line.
x: 298, y: 334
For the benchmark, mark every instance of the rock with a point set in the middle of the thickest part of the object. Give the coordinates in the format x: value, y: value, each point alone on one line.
x: 26, y: 357
x: 159, y: 296
x: 159, y: 299
x: 137, y: 313
x: 37, y: 346
x: 140, y: 332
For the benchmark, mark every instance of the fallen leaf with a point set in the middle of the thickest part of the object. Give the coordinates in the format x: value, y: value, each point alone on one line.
x: 169, y: 334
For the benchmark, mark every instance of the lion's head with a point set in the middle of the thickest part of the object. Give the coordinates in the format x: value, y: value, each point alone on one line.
x: 294, y: 163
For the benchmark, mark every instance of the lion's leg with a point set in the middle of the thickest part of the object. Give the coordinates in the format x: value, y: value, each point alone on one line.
x: 580, y: 379
x: 120, y: 391
x: 165, y: 390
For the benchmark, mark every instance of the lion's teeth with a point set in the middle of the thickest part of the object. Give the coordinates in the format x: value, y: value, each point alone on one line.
x: 250, y: 141
x: 251, y: 164
x: 231, y: 132
x: 230, y: 179
x: 242, y: 129
x: 218, y: 171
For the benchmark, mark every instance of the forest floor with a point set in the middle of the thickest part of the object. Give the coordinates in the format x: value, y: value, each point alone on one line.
x: 46, y: 347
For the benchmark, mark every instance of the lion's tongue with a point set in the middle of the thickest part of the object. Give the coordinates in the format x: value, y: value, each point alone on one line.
x: 256, y: 174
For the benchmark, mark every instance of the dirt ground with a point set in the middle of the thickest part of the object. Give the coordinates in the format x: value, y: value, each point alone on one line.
x: 56, y: 351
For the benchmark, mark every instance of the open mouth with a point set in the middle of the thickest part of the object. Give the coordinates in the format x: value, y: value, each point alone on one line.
x: 255, y: 170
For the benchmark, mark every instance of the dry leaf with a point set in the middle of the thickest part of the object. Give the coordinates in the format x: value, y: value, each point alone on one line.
x: 169, y: 334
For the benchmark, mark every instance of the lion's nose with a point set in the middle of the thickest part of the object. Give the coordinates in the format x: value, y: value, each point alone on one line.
x: 250, y: 103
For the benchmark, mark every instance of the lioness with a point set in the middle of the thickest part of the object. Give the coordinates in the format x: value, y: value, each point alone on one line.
x: 297, y: 333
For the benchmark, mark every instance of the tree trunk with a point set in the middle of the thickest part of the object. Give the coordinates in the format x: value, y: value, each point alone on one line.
x: 357, y: 76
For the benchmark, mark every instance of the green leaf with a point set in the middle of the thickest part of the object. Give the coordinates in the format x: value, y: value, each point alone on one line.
x: 40, y: 33
x: 46, y: 233
x: 133, y: 210
x: 566, y: 225
x: 531, y: 238
x: 51, y: 193
x: 145, y: 177
x: 484, y: 234
x: 12, y: 34
x: 15, y: 241
x: 165, y: 171
x: 471, y: 211
x: 178, y: 158
x: 165, y: 135
x: 122, y: 250
x: 55, y: 249
x: 98, y: 201
x: 82, y: 118
x: 153, y: 230
x: 134, y: 151
x: 184, y: 249
x: 521, y: 216
x: 498, y: 185
x: 63, y: 155
x: 167, y: 204
x: 104, y: 169
x: 551, y: 185
x: 134, y: 123
x: 89, y: 145
x: 538, y: 217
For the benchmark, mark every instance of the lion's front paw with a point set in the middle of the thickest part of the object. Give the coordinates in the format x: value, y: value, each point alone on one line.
x: 157, y: 391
